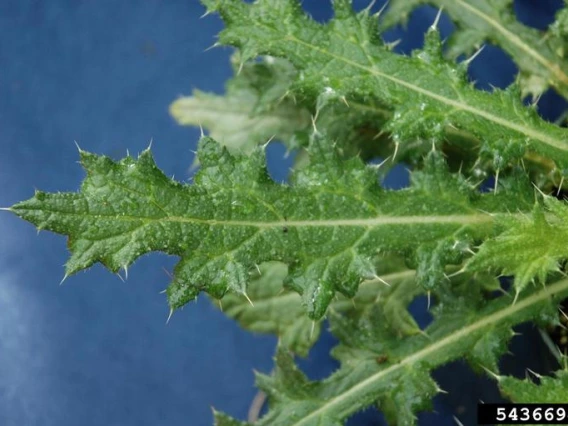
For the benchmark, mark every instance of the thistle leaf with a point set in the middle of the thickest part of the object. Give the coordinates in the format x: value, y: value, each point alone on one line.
x: 273, y: 310
x: 346, y: 58
x: 327, y: 226
x: 279, y: 311
x: 540, y: 58
x: 390, y: 371
x: 413, y: 392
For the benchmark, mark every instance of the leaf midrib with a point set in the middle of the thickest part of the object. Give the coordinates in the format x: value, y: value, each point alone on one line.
x: 479, y: 218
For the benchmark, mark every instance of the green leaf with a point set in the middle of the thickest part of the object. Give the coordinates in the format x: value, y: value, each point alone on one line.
x: 392, y: 293
x: 326, y: 226
x: 375, y: 368
x: 224, y: 420
x: 551, y: 390
x: 273, y: 310
x: 412, y: 392
x: 258, y: 106
x: 346, y: 58
x: 254, y: 109
x: 559, y: 29
x: 540, y: 58
x: 276, y: 310
x: 530, y: 247
x: 485, y: 353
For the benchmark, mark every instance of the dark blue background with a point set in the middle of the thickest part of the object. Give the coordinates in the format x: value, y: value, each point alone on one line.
x: 97, y: 351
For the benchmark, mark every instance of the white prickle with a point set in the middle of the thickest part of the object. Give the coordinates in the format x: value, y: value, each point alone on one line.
x: 434, y: 25
x: 376, y: 277
x: 170, y: 315
x: 472, y: 57
x: 64, y: 278
x: 381, y: 10
x: 250, y: 301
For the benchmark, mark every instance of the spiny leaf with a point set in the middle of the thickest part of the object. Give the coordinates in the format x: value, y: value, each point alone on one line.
x: 221, y: 419
x: 257, y: 107
x: 260, y: 105
x: 274, y: 310
x: 540, y: 58
x: 279, y: 311
x: 485, y: 353
x: 551, y: 390
x: 364, y: 378
x: 327, y: 226
x: 254, y: 109
x: 392, y: 293
x: 530, y: 247
x: 412, y: 392
x: 345, y: 57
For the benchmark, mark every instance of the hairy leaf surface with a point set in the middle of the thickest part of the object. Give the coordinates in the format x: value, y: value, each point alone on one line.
x: 326, y: 226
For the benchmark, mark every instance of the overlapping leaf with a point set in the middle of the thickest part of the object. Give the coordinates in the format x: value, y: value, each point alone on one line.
x: 259, y: 106
x: 540, y: 57
x: 254, y: 109
x: 346, y: 58
x: 273, y: 310
x: 378, y: 367
x: 276, y: 310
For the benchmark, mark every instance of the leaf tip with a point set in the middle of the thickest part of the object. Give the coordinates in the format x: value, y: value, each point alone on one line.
x: 209, y: 152
x: 87, y: 159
